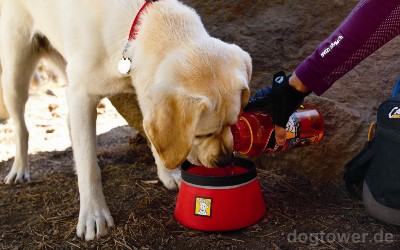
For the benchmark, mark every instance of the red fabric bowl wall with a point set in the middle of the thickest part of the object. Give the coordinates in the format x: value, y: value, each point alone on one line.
x: 219, y: 199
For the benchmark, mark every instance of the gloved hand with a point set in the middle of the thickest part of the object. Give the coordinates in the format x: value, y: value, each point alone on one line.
x: 281, y: 100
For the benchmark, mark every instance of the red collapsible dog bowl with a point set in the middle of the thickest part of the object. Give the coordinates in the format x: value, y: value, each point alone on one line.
x: 219, y: 199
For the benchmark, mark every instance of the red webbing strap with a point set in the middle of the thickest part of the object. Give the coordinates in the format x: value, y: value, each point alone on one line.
x: 133, y: 32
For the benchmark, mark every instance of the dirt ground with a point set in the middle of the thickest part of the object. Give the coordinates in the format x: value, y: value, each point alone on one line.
x: 302, y: 212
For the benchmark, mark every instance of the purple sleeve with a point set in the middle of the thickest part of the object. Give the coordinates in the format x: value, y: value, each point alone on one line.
x: 370, y: 25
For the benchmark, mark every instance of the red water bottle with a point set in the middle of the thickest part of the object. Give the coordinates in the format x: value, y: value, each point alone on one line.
x: 254, y: 134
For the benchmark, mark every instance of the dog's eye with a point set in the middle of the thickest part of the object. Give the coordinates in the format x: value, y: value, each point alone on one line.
x: 204, y: 136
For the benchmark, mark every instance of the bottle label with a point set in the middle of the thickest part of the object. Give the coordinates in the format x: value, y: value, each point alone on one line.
x: 298, y: 142
x: 293, y: 127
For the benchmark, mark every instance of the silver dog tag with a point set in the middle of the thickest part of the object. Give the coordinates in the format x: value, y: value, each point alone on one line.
x: 124, y: 66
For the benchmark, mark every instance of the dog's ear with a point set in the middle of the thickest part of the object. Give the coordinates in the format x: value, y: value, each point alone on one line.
x: 249, y: 66
x: 170, y: 126
x: 245, y: 96
x: 249, y: 70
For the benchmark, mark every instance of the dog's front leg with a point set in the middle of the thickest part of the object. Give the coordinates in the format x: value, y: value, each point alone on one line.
x: 94, y: 215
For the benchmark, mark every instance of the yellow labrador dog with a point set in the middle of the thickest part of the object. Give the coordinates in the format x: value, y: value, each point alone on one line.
x: 190, y: 86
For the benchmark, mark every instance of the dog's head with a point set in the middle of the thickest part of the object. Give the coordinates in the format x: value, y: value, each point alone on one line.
x: 199, y: 93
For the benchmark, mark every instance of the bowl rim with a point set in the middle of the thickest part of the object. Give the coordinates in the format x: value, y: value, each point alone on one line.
x: 220, y: 181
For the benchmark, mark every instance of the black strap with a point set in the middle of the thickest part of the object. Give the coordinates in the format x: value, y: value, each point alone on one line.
x: 356, y: 170
x: 220, y: 181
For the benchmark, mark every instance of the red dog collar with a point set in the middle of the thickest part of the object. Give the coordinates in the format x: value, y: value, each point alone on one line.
x: 125, y: 63
x: 136, y: 22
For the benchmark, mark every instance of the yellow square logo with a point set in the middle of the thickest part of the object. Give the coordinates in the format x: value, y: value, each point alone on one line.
x: 203, y: 207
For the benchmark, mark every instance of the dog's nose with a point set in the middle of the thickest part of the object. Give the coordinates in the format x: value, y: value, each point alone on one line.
x: 225, y: 160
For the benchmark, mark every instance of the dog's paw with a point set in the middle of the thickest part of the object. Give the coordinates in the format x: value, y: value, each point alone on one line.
x: 17, y: 174
x: 170, y: 178
x: 94, y: 220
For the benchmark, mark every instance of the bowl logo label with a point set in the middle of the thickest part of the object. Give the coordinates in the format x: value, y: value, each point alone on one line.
x: 203, y: 206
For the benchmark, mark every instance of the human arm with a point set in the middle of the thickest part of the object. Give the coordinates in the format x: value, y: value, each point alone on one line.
x: 370, y: 25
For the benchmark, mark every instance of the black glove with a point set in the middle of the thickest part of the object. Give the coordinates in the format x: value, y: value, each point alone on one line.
x: 281, y: 99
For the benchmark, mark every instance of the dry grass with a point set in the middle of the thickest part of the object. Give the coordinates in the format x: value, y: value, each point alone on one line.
x: 42, y: 214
